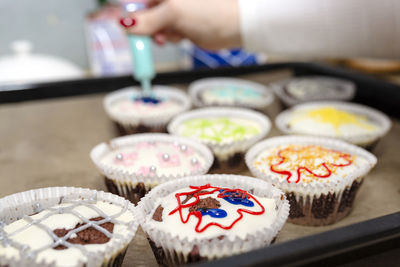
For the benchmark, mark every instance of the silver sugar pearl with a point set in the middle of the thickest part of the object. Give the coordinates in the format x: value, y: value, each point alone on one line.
x: 165, y: 157
x: 183, y: 148
x: 194, y: 161
x: 153, y: 168
x: 119, y: 156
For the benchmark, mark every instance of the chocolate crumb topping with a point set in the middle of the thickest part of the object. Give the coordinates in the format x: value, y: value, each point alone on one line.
x: 88, y: 236
x: 205, y: 204
x: 157, y: 216
x: 188, y: 197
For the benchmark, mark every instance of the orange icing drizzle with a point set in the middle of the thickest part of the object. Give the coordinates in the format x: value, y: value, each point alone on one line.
x: 303, y: 160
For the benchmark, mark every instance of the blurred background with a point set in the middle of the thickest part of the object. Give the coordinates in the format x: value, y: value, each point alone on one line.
x: 59, y: 40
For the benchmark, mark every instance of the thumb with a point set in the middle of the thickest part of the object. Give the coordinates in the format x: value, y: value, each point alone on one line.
x: 152, y: 20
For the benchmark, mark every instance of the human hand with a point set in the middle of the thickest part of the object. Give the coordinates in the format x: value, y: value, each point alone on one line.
x: 210, y: 24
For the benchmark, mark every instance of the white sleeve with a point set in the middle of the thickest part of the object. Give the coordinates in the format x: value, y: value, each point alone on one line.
x: 327, y: 28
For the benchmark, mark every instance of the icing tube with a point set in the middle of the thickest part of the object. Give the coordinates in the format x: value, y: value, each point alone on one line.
x: 143, y: 69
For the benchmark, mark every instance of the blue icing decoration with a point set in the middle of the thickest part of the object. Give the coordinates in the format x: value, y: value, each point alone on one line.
x: 235, y: 92
x: 147, y: 99
x: 237, y: 200
x: 215, y: 213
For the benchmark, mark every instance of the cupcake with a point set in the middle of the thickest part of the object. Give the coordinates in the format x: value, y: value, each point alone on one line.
x: 65, y: 226
x: 134, y: 113
x: 354, y: 123
x: 230, y: 92
x: 320, y: 176
x: 134, y: 164
x: 229, y: 132
x: 313, y: 88
x: 211, y: 216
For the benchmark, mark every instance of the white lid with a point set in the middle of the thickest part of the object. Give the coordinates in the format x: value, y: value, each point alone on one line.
x: 23, y: 66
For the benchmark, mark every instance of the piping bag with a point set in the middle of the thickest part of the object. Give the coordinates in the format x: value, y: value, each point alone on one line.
x: 142, y: 58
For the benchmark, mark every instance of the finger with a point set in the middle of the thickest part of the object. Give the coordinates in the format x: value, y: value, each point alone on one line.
x: 150, y: 21
x: 160, y: 38
x: 153, y: 3
x: 173, y: 37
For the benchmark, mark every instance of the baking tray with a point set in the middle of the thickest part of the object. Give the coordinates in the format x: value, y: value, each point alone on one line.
x: 51, y: 136
x: 371, y: 91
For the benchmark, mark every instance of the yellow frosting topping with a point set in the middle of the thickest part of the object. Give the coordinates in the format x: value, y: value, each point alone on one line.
x: 336, y: 118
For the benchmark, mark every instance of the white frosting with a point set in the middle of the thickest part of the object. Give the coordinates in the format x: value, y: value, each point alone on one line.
x: 293, y: 161
x: 155, y: 158
x: 38, y: 240
x: 249, y: 224
x: 129, y: 107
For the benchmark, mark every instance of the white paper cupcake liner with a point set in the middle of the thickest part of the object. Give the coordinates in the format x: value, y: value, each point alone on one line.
x: 348, y: 90
x: 336, y: 184
x: 198, y: 86
x: 129, y: 121
x: 364, y: 140
x: 212, y: 248
x: 315, y: 203
x: 224, y: 150
x: 125, y: 177
x: 16, y: 206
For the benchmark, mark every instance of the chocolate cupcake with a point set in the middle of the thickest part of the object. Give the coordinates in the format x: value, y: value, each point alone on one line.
x: 354, y: 123
x: 211, y: 216
x: 134, y: 113
x: 229, y: 132
x: 320, y: 176
x: 313, y: 88
x: 230, y: 92
x: 65, y: 226
x: 134, y: 164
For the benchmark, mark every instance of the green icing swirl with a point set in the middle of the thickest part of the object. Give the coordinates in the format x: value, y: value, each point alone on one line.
x: 218, y: 129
